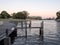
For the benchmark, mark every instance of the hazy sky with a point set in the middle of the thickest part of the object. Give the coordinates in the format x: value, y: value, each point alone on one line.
x: 44, y: 8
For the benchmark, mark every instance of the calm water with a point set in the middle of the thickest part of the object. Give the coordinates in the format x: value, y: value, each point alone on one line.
x: 51, y: 34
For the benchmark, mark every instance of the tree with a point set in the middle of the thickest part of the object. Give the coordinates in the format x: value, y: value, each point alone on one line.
x: 14, y: 15
x: 4, y: 14
x: 58, y: 15
x: 35, y: 17
x: 38, y: 17
x: 25, y: 13
x: 0, y: 16
x: 20, y: 15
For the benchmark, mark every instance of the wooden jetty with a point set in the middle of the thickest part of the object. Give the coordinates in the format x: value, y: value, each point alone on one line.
x: 25, y: 39
x: 7, y: 32
x: 24, y: 26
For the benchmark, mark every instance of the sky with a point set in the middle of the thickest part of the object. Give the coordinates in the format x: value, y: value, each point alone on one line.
x: 43, y: 8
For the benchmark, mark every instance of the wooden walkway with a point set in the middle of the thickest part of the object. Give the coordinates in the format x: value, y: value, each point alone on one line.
x: 28, y: 27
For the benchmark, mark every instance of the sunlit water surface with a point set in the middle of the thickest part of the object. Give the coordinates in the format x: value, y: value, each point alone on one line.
x: 51, y: 34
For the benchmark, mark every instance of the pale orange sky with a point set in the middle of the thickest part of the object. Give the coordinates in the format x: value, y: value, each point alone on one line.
x: 44, y: 8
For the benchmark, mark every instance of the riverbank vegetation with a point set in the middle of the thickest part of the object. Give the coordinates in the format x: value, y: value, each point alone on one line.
x: 4, y: 15
x: 34, y: 17
x: 18, y: 15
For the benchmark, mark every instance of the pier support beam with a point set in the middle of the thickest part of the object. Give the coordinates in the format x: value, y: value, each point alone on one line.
x: 41, y: 31
x: 30, y: 25
x: 25, y: 28
x: 21, y: 25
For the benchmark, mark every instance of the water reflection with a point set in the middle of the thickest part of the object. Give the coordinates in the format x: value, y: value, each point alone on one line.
x: 58, y: 30
x: 51, y: 34
x: 58, y: 27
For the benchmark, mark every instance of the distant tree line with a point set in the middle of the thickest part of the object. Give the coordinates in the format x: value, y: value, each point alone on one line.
x: 18, y: 15
x: 49, y: 18
x: 35, y: 17
x: 22, y: 15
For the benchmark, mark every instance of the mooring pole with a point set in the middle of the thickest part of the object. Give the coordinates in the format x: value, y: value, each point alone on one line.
x: 21, y: 25
x: 41, y: 31
x: 25, y: 28
x: 30, y: 25
x: 15, y: 33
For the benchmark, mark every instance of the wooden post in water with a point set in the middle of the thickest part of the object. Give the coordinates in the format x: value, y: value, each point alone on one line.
x: 30, y: 25
x: 25, y: 28
x: 41, y: 31
x: 21, y: 25
x: 15, y: 32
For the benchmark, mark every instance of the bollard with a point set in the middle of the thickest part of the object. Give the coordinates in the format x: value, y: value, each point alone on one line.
x: 7, y: 41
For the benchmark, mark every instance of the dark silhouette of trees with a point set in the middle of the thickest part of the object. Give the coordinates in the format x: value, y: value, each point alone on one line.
x: 20, y: 15
x: 14, y: 15
x: 35, y: 17
x: 0, y: 16
x: 4, y: 15
x: 58, y: 15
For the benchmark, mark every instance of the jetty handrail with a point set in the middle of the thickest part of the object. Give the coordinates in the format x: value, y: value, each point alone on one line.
x: 27, y: 27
